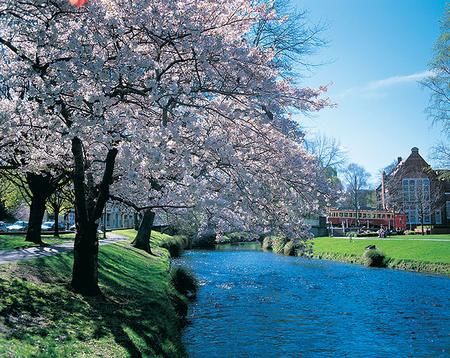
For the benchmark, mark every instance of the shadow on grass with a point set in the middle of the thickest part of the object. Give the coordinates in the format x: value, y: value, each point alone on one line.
x: 134, y: 316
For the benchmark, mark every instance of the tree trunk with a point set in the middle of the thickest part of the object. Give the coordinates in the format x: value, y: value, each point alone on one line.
x: 37, y: 210
x: 85, y: 263
x: 41, y: 187
x: 89, y: 205
x: 142, y: 240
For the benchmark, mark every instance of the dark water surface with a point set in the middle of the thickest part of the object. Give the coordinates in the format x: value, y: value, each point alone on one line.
x: 257, y: 304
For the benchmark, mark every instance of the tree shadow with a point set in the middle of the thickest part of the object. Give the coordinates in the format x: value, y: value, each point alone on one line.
x: 136, y: 310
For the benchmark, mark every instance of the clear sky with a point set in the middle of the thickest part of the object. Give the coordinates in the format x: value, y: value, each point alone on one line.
x: 377, y: 51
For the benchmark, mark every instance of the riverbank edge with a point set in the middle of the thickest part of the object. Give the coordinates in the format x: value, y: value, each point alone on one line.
x: 45, y: 281
x: 393, y: 263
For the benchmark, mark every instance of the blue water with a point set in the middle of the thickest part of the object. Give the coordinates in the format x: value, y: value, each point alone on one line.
x: 257, y: 304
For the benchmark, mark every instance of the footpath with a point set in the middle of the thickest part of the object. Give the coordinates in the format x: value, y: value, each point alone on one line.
x: 8, y: 256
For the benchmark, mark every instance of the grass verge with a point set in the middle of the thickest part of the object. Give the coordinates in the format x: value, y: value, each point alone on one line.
x: 10, y: 242
x: 174, y: 244
x: 137, y: 317
x: 426, y: 256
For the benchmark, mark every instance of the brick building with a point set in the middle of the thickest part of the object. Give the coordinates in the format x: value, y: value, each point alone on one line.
x: 413, y: 188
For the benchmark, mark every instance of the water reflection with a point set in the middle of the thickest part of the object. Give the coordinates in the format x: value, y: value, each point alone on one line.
x: 253, y: 303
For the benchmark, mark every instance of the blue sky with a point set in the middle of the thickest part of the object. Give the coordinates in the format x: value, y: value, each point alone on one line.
x: 377, y: 51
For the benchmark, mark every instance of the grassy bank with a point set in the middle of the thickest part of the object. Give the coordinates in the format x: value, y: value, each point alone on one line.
x: 174, y: 244
x: 401, y: 252
x: 39, y: 316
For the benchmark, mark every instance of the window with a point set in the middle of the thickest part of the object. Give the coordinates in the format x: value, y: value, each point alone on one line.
x: 447, y: 209
x: 416, y: 200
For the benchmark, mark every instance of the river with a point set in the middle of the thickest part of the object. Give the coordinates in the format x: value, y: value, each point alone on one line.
x: 257, y: 304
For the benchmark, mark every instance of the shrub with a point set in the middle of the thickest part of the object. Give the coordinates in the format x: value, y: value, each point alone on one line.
x: 267, y: 243
x: 233, y: 237
x: 304, y: 248
x: 173, y: 247
x: 184, y: 281
x: 278, y: 244
x: 374, y: 258
x: 290, y: 249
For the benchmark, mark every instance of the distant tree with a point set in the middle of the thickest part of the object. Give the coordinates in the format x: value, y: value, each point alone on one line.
x: 328, y: 151
x: 355, y: 178
x: 10, y: 198
x: 441, y: 155
x: 285, y: 31
x: 438, y: 84
x: 60, y: 201
x: 331, y: 157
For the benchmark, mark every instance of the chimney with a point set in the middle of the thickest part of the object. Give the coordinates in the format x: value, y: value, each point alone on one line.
x: 415, y: 150
x: 399, y: 159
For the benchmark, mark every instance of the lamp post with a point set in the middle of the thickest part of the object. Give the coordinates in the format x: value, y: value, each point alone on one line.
x: 104, y: 221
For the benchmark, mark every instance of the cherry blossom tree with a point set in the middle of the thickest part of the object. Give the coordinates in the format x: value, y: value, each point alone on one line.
x: 27, y: 159
x: 107, y: 76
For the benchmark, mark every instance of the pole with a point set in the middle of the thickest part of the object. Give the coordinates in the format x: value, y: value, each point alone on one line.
x: 104, y: 221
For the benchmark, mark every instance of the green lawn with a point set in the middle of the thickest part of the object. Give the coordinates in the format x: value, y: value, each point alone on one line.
x: 8, y: 242
x: 40, y: 317
x: 423, y: 255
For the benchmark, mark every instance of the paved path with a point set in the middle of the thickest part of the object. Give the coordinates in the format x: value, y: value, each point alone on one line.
x: 8, y: 256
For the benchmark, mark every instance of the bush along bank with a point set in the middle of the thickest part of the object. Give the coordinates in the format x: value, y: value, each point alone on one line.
x: 373, y: 257
x: 142, y: 311
x: 210, y: 241
x: 236, y: 237
x: 288, y: 247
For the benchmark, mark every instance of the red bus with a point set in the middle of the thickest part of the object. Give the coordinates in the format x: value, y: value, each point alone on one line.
x: 367, y: 218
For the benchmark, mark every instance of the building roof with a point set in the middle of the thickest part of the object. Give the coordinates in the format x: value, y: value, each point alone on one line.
x: 412, y: 163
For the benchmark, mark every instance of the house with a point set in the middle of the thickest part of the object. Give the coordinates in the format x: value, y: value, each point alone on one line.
x: 119, y: 216
x: 115, y: 216
x: 413, y: 188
